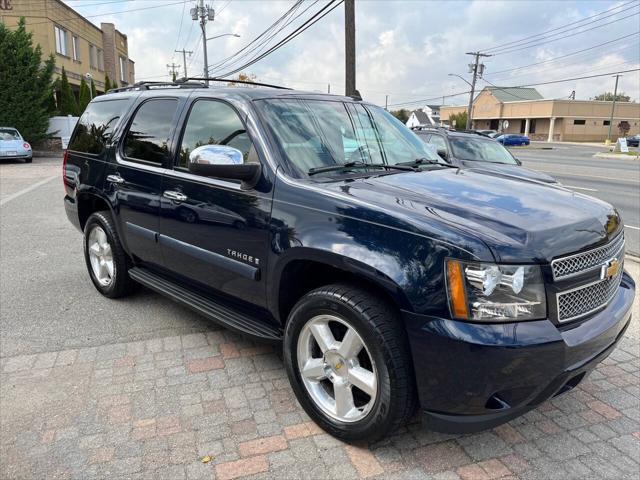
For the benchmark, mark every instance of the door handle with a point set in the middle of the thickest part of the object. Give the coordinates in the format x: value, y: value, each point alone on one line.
x: 177, y: 196
x: 115, y: 179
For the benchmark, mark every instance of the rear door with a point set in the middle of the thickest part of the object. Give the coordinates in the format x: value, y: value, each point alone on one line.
x: 213, y: 231
x: 134, y: 181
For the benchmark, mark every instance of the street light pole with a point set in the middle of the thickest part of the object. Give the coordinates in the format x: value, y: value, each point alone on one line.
x: 613, y: 106
x: 474, y: 69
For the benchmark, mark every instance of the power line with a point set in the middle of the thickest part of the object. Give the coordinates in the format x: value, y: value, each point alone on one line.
x: 427, y: 100
x: 184, y: 5
x: 226, y: 61
x: 557, y: 28
x: 524, y: 46
x: 309, y: 23
x: 521, y: 67
x: 103, y: 14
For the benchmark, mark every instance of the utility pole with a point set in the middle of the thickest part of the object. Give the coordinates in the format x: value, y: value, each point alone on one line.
x: 386, y: 102
x: 204, y: 13
x: 350, y: 47
x: 613, y: 106
x: 184, y: 59
x: 477, y: 69
x: 173, y: 70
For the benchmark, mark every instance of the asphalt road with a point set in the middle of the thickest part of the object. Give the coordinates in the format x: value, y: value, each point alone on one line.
x: 616, y: 181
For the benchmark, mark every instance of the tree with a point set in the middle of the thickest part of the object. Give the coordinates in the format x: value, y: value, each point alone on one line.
x: 623, y: 128
x: 460, y: 120
x: 67, y: 104
x: 403, y: 114
x: 94, y: 92
x: 85, y: 95
x: 608, y: 97
x: 244, y: 77
x: 107, y: 84
x: 26, y: 85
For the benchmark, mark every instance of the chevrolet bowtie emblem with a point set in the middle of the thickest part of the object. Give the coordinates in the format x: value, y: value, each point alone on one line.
x: 610, y: 269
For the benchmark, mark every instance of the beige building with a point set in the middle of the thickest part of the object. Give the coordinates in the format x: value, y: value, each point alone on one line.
x: 76, y: 43
x: 529, y: 113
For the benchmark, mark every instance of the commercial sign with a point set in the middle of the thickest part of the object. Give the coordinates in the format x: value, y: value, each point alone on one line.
x: 6, y: 5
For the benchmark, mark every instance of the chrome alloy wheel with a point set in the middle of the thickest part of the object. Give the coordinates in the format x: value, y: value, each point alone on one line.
x: 338, y: 373
x: 100, y: 256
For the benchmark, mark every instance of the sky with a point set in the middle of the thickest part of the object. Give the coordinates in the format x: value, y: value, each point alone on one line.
x: 404, y: 49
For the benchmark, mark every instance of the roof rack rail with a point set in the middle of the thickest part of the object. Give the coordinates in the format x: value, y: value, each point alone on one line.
x: 231, y: 80
x: 152, y: 85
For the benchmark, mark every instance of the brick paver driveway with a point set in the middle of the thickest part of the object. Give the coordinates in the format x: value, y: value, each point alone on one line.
x: 142, y: 388
x: 154, y: 409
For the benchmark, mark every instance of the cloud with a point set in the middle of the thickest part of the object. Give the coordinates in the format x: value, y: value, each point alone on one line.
x: 405, y: 49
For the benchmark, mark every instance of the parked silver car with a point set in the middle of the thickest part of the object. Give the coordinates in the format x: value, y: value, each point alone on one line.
x: 13, y: 146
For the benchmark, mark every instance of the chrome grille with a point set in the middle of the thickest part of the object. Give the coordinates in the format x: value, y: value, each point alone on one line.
x: 586, y: 299
x: 572, y: 265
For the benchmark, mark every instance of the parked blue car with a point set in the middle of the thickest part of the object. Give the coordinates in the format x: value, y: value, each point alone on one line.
x: 512, y: 139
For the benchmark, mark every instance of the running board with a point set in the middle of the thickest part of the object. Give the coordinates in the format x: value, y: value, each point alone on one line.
x: 224, y: 315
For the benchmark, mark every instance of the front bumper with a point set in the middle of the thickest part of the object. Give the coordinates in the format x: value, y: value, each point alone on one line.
x: 475, y: 376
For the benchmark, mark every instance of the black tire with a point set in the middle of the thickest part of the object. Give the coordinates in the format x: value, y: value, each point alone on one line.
x: 28, y: 160
x: 384, y: 336
x: 121, y: 284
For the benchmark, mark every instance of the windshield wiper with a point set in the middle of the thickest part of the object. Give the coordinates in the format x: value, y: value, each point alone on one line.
x: 347, y: 165
x: 424, y: 161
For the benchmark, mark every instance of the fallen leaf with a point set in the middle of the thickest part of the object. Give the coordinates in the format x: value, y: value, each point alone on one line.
x: 206, y: 459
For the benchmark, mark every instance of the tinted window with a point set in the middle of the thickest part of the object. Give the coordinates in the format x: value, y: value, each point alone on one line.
x: 148, y: 135
x: 96, y: 125
x: 213, y: 123
x: 439, y: 142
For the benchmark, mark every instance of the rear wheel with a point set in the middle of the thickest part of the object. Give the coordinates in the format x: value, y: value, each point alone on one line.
x: 106, y: 260
x: 348, y: 361
x: 28, y: 160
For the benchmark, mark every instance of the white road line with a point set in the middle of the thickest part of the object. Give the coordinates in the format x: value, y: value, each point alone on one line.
x: 565, y: 174
x: 580, y: 188
x: 13, y: 196
x: 635, y: 228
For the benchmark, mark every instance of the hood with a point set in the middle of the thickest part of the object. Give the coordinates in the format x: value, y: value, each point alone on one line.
x: 519, y: 221
x: 512, y: 170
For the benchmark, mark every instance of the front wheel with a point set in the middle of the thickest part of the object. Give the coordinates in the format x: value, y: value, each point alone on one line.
x: 347, y: 358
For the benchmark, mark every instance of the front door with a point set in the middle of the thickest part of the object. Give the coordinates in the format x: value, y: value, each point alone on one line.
x: 213, y: 231
x: 135, y: 180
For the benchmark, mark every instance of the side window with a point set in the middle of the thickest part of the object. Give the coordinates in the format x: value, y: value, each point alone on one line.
x: 439, y: 142
x: 148, y: 135
x: 96, y: 125
x: 213, y: 123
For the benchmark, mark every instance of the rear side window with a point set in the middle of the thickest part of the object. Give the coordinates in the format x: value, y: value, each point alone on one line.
x: 96, y: 125
x: 148, y: 137
x: 439, y: 142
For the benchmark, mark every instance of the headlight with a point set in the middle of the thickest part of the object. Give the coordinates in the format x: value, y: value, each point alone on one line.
x: 486, y: 292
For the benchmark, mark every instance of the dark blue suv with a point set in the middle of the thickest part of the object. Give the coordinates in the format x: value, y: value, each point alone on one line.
x: 390, y: 277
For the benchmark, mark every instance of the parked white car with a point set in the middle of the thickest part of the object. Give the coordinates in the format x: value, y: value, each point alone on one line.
x: 13, y: 146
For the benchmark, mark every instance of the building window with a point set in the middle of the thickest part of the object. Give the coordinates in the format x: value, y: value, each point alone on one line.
x: 579, y: 122
x: 76, y: 48
x: 61, y: 40
x: 93, y: 59
x: 123, y: 69
x: 606, y: 123
x: 100, y: 60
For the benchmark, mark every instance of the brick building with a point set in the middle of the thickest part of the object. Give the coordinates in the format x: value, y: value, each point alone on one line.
x: 76, y: 43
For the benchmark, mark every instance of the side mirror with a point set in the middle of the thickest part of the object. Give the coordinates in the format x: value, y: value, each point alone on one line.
x: 443, y: 153
x: 221, y: 161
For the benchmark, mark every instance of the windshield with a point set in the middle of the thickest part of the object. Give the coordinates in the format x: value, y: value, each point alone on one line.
x: 9, y: 134
x: 481, y: 150
x: 320, y: 133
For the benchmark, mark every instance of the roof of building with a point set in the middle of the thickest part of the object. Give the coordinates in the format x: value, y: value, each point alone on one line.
x: 511, y: 94
x: 421, y: 116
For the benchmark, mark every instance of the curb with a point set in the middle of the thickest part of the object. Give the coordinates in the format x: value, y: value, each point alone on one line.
x: 632, y: 257
x: 617, y: 156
